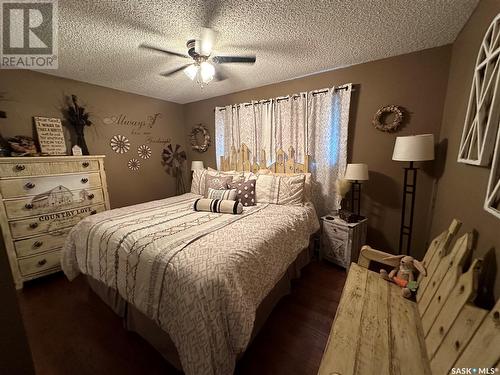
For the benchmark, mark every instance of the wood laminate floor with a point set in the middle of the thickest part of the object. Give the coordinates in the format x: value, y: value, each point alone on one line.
x: 71, y: 331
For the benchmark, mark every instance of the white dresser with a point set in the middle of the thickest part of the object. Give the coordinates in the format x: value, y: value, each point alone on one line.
x: 42, y: 199
x: 341, y: 241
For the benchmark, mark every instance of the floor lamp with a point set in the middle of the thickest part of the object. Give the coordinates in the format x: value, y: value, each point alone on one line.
x: 412, y: 148
x: 355, y: 173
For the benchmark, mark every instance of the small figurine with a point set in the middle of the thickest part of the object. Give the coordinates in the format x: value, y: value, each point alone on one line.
x: 404, y: 276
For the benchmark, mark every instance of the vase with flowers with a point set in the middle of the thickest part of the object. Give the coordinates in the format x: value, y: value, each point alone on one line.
x: 78, y: 118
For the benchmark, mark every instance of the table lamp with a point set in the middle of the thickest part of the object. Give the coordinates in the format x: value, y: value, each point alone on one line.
x: 412, y: 148
x: 356, y: 172
x: 196, y: 164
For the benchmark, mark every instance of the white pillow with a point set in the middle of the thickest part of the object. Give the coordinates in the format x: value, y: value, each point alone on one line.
x: 226, y: 194
x: 286, y: 190
x: 237, y: 176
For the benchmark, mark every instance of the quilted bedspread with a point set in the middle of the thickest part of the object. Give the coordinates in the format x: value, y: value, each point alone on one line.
x: 199, y: 275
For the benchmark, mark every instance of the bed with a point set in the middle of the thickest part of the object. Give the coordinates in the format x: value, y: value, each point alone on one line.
x: 208, y: 280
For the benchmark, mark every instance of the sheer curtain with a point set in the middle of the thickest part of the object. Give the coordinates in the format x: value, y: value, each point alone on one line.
x: 313, y: 123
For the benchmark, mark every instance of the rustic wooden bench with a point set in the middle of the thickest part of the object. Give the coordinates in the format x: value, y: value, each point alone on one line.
x: 377, y: 331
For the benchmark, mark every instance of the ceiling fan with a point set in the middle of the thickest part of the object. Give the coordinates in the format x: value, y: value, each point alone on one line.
x: 202, y: 68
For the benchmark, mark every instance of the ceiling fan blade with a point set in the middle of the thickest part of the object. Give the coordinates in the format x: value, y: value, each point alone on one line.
x: 234, y: 59
x: 207, y: 41
x: 172, y: 72
x: 157, y: 49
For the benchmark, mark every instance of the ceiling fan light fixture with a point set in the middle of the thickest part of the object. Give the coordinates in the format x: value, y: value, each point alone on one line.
x: 191, y: 71
x: 207, y: 72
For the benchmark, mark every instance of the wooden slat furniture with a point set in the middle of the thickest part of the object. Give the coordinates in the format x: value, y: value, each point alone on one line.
x: 377, y: 331
x: 239, y: 160
x: 41, y: 199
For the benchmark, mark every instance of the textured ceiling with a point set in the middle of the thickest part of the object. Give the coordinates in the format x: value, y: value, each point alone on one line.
x: 98, y: 40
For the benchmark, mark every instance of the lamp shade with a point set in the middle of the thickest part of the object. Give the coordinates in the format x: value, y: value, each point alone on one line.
x: 356, y: 172
x: 414, y: 148
x: 196, y: 164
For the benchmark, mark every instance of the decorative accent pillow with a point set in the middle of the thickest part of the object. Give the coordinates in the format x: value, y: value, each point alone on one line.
x: 216, y: 182
x: 280, y: 189
x: 218, y: 205
x: 222, y: 194
x: 245, y: 191
x: 291, y: 190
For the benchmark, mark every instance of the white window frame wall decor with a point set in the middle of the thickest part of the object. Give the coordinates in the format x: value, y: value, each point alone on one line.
x: 493, y: 189
x: 483, y: 110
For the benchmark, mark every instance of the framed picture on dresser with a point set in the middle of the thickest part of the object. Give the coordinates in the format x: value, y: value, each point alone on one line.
x: 50, y: 135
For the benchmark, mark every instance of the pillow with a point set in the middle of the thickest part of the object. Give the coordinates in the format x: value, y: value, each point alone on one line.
x: 291, y: 189
x: 222, y: 194
x: 198, y: 185
x: 307, y: 184
x: 237, y: 176
x: 266, y: 190
x: 249, y: 175
x: 280, y: 189
x: 218, y: 205
x: 245, y: 192
x: 196, y: 182
x: 216, y: 182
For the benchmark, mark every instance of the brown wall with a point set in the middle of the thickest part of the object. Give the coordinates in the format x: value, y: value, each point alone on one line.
x: 35, y: 94
x: 462, y: 187
x: 416, y: 81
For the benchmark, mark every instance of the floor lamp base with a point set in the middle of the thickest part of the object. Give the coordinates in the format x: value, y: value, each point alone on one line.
x: 409, y: 191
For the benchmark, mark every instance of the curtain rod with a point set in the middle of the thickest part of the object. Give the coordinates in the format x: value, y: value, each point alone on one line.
x: 295, y: 97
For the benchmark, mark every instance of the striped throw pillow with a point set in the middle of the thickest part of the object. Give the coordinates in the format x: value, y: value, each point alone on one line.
x: 228, y: 194
x: 218, y: 205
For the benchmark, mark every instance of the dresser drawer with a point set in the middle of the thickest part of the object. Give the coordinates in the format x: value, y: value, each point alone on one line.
x: 43, y: 187
x: 337, y: 231
x: 40, y: 244
x: 32, y: 168
x: 52, y: 221
x: 39, y: 263
x: 58, y: 199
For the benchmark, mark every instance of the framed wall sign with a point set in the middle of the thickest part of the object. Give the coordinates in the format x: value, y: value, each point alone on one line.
x: 50, y: 136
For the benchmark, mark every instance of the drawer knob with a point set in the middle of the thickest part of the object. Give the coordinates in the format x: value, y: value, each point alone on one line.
x: 33, y: 225
x: 37, y: 244
x: 42, y: 262
x: 29, y: 185
x: 85, y: 164
x: 84, y: 180
x: 93, y: 212
x: 20, y: 167
x: 28, y: 206
x: 91, y: 196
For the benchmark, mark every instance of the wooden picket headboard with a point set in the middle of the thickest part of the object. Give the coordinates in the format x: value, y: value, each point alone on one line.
x: 239, y: 160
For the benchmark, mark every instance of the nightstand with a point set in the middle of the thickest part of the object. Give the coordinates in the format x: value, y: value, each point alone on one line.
x: 341, y: 241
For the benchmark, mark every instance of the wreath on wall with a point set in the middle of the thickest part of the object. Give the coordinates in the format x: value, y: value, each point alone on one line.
x: 381, y: 114
x: 195, y: 143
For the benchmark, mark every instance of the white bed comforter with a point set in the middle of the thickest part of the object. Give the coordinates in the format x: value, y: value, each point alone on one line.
x: 199, y: 275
